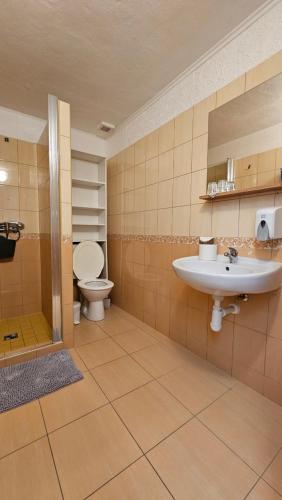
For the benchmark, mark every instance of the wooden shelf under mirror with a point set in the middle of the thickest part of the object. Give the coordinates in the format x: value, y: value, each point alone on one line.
x: 242, y: 192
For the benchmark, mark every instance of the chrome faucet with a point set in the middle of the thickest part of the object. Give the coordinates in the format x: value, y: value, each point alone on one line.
x: 232, y: 255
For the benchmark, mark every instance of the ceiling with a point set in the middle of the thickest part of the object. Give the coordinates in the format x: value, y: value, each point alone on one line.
x: 256, y: 110
x: 105, y: 57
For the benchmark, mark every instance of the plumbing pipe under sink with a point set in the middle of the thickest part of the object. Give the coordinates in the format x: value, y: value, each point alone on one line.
x: 219, y: 312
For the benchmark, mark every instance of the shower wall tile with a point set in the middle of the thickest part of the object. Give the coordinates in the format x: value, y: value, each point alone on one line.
x: 20, y: 283
x: 168, y: 223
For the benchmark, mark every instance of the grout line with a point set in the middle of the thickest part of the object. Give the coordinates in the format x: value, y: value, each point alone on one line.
x: 51, y: 451
x: 227, y: 446
x: 111, y: 479
x: 78, y: 418
x: 24, y: 446
x: 159, y: 476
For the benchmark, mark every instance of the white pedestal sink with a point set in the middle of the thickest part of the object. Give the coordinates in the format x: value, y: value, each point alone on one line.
x: 220, y: 278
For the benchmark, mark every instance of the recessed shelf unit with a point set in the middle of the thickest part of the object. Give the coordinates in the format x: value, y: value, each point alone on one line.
x: 89, y: 200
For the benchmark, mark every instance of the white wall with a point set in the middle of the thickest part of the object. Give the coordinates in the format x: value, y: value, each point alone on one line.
x: 255, y: 40
x: 30, y: 128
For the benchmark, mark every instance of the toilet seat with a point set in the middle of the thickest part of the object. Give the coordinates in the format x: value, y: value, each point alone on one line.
x: 96, y: 284
x: 88, y: 261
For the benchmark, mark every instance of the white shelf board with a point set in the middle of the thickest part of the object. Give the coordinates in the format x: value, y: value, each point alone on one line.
x: 87, y: 183
x: 81, y: 207
x: 89, y: 224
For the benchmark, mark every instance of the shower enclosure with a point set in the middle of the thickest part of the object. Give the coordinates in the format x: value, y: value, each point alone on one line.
x: 30, y: 267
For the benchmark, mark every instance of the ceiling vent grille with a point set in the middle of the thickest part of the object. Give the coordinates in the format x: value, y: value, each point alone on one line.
x: 106, y: 127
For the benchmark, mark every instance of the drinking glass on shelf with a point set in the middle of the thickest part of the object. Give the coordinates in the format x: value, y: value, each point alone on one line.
x: 222, y: 186
x: 212, y: 188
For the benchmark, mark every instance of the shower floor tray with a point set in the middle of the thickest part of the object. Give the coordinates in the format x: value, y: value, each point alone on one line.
x: 29, y: 330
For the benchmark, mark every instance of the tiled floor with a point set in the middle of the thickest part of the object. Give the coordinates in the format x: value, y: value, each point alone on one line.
x: 149, y: 421
x: 32, y: 329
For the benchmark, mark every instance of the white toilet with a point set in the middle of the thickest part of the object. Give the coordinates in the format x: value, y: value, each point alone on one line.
x: 88, y: 263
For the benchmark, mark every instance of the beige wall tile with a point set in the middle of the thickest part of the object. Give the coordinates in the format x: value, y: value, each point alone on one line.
x: 151, y: 197
x: 8, y: 149
x: 201, y: 115
x: 27, y: 153
x: 165, y: 221
x: 230, y: 91
x: 139, y: 175
x: 181, y: 221
x: 165, y: 194
x: 152, y: 170
x: 64, y: 118
x: 128, y: 179
x: 12, y: 173
x: 65, y: 186
x: 182, y: 159
x: 198, y: 185
x: 266, y: 161
x: 152, y: 144
x: 267, y: 178
x: 30, y: 220
x: 129, y: 157
x: 139, y: 200
x: 273, y: 365
x: 166, y: 165
x: 9, y: 198
x: 166, y: 137
x: 129, y: 201
x: 199, y: 152
x: 225, y: 218
x: 139, y: 151
x: 65, y: 153
x: 66, y: 219
x: 183, y: 127
x: 151, y: 222
x: 264, y: 71
x: 28, y: 176
x: 29, y: 199
x: 201, y: 220
x: 182, y: 190
x: 249, y: 348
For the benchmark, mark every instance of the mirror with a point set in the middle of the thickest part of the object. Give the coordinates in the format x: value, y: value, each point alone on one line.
x: 245, y: 140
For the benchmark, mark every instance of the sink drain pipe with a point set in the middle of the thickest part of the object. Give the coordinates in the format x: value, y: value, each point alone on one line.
x: 219, y: 312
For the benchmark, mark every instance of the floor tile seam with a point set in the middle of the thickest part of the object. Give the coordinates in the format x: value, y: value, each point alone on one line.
x: 160, y: 478
x: 91, y: 341
x: 163, y: 343
x: 186, y: 407
x: 107, y: 362
x: 51, y: 451
x: 187, y: 421
x: 112, y: 478
x: 269, y: 465
x: 252, y: 488
x: 270, y: 486
x: 121, y: 420
x: 50, y: 433
x: 129, y: 392
x: 23, y: 446
x: 228, y: 447
x: 136, y: 361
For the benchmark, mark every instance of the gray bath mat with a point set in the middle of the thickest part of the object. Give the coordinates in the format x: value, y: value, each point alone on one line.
x: 31, y: 380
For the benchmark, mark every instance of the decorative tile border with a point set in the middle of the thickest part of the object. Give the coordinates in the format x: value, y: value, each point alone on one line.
x: 237, y: 242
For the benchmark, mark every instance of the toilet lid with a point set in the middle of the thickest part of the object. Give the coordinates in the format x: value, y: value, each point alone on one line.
x: 88, y: 260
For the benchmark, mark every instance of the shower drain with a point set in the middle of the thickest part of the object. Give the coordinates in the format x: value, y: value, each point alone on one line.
x: 11, y: 336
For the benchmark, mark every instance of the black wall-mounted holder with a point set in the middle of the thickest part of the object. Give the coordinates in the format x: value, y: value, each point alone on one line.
x: 7, y: 244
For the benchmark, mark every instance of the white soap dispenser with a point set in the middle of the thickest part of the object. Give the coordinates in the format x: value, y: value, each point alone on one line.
x: 268, y: 223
